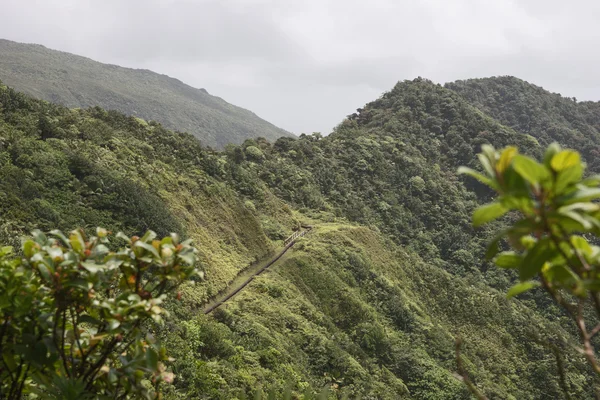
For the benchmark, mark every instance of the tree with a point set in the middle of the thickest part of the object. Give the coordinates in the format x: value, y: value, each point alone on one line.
x: 552, y: 239
x: 73, y: 314
x: 254, y: 153
x: 45, y: 127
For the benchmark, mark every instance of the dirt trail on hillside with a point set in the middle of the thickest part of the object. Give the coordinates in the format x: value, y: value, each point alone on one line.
x: 235, y: 287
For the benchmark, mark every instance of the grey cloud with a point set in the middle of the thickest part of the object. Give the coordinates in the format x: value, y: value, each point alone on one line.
x: 374, y: 73
x: 214, y: 31
x: 304, y: 65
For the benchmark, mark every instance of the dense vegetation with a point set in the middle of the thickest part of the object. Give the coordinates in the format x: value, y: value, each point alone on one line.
x: 530, y: 109
x: 553, y: 237
x: 369, y: 303
x: 73, y: 314
x: 76, y: 81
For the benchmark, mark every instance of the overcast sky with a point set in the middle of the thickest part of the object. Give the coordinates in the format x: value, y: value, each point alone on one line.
x: 306, y: 64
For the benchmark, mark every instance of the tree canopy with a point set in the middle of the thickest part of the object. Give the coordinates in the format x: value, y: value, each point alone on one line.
x: 369, y: 303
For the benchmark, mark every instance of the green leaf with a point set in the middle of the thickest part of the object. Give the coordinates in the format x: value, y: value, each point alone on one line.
x: 582, y: 194
x: 55, y: 252
x: 189, y: 258
x: 567, y: 177
x: 101, y: 232
x: 10, y: 362
x: 80, y: 284
x: 521, y: 287
x: 44, y: 271
x: 514, y: 184
x: 113, y: 324
x: 152, y: 359
x: 591, y: 181
x: 561, y: 274
x: 489, y: 152
x: 588, y: 207
x: 522, y: 203
x: 29, y: 248
x: 553, y: 149
x: 134, y: 297
x: 113, y: 263
x: 592, y: 284
x: 39, y: 237
x: 61, y: 236
x: 486, y: 164
x: 487, y: 213
x: 147, y: 247
x: 568, y: 224
x: 532, y: 171
x: 535, y: 258
x: 166, y: 240
x: 88, y: 319
x: 578, y: 218
x: 481, y: 178
x: 508, y: 154
x: 581, y: 244
x: 565, y: 159
x: 77, y: 242
x: 121, y: 235
x: 38, y: 355
x: 148, y: 236
x: 100, y: 251
x: 92, y: 267
x: 508, y: 259
x: 493, y: 247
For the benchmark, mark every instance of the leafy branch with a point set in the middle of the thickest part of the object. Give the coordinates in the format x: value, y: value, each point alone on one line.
x: 72, y: 312
x: 552, y: 238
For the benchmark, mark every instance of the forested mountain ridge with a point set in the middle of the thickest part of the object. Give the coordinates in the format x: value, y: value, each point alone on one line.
x: 76, y: 81
x: 394, y: 162
x: 368, y: 304
x: 532, y: 110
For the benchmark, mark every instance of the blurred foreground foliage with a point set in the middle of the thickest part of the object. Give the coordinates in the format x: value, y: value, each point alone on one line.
x: 73, y: 312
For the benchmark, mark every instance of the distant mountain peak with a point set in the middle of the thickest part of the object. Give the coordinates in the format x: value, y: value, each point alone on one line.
x: 77, y: 81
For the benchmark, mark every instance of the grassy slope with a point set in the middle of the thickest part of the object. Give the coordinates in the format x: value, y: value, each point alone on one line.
x: 127, y: 175
x: 80, y: 82
x: 348, y: 309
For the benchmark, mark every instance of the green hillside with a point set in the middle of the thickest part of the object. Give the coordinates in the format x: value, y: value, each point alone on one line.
x: 76, y: 81
x: 534, y: 111
x: 367, y: 305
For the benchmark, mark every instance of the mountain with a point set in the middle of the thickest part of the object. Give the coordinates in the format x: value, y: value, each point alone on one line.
x: 369, y: 303
x: 76, y: 81
x: 529, y: 109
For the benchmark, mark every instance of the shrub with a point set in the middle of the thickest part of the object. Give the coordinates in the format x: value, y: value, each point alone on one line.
x: 72, y: 314
x: 556, y: 223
